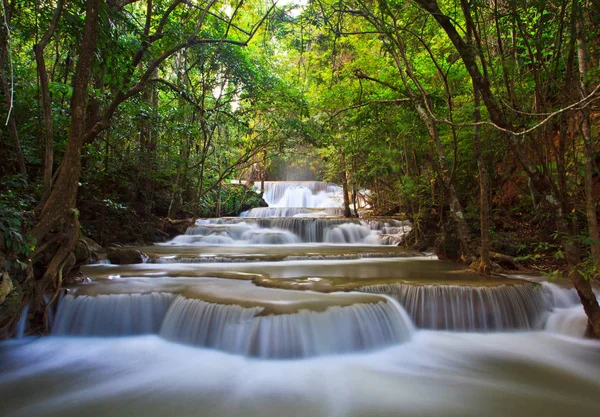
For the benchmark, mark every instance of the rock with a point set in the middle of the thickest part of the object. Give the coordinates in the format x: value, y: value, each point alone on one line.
x: 124, y: 256
x: 6, y: 287
x: 94, y: 246
x: 176, y: 227
x: 88, y: 250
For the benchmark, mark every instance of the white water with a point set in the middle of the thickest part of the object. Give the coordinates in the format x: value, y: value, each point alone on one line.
x: 435, y: 374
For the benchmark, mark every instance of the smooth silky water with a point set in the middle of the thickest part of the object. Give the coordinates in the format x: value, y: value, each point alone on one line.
x: 291, y: 310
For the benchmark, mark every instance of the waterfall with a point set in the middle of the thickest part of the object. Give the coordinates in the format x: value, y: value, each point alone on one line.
x: 111, y: 315
x: 466, y: 308
x: 235, y: 329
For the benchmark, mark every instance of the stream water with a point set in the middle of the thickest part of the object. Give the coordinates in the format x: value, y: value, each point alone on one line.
x: 290, y: 310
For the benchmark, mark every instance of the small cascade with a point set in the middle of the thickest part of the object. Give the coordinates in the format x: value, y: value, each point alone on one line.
x: 349, y: 233
x: 270, y: 237
x: 240, y: 330
x: 111, y: 315
x: 467, y: 308
x: 567, y: 315
x: 21, y: 326
x: 570, y: 321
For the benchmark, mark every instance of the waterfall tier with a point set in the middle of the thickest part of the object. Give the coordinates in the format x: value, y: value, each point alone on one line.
x: 235, y: 329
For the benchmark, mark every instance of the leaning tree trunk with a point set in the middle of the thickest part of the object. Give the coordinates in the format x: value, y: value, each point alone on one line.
x: 57, y: 229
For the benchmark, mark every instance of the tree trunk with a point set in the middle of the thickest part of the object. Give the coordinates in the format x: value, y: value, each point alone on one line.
x: 59, y: 214
x: 484, y: 210
x: 344, y: 178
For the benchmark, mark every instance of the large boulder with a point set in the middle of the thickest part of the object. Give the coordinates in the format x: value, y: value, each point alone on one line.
x: 125, y: 256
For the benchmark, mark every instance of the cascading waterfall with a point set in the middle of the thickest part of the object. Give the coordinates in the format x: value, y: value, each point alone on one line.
x: 467, y: 308
x: 298, y: 212
x: 236, y: 329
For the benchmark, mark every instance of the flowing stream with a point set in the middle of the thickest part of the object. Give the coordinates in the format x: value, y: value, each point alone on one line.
x: 292, y: 310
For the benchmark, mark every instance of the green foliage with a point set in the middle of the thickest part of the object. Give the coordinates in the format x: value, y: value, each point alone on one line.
x: 14, y: 240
